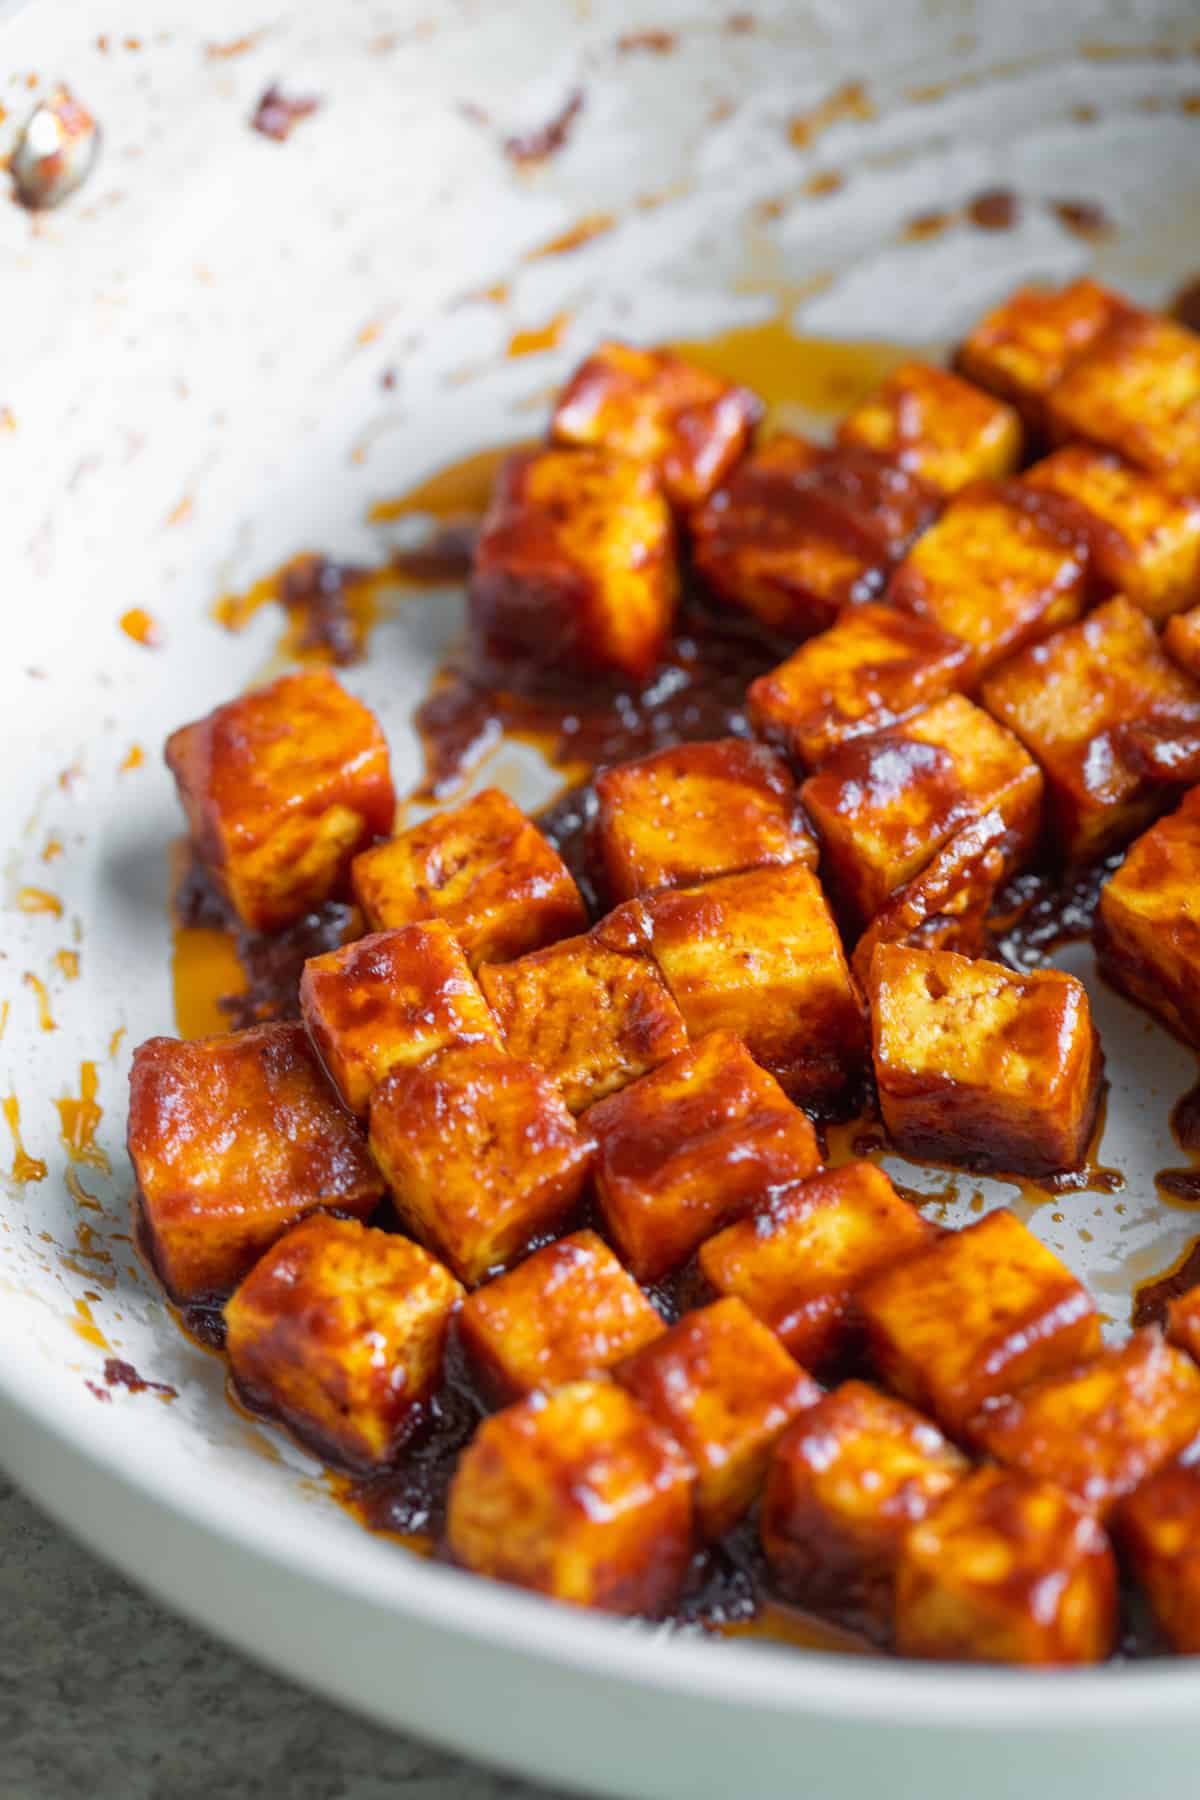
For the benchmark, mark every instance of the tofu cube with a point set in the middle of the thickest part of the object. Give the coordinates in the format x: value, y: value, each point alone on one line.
x: 937, y: 425
x: 1148, y: 925
x: 1183, y: 1322
x: 574, y: 568
x: 578, y: 1495
x: 1181, y: 640
x: 726, y: 1389
x: 687, y: 424
x: 480, y: 1153
x: 697, y: 810
x: 947, y: 904
x: 847, y: 1481
x: 1024, y: 347
x: 884, y: 805
x: 567, y: 1311
x: 979, y: 1314
x: 1100, y: 1429
x: 1137, y: 391
x: 699, y: 1142
x: 1004, y: 566
x: 798, y: 1260
x: 594, y: 1018
x: 1144, y: 540
x: 759, y: 955
x: 1006, y: 1570
x: 484, y: 869
x: 233, y: 1140
x: 282, y: 787
x: 1069, y: 700
x: 1158, y: 1530
x: 799, y: 532
x: 872, y: 669
x: 388, y: 1001
x: 978, y: 1064
x: 339, y: 1331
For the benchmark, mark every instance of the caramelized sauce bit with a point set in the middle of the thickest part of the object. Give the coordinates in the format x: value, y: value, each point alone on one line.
x: 540, y: 337
x: 329, y: 608
x: 1150, y: 1298
x: 142, y: 627
x: 25, y: 1168
x: 35, y: 900
x: 79, y: 1120
x: 38, y: 987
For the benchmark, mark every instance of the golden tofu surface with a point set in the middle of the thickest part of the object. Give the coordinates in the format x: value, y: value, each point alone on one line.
x: 1181, y: 640
x: 282, y: 787
x: 1137, y: 391
x: 1024, y: 346
x: 480, y: 1153
x: 945, y: 905
x: 939, y: 426
x: 339, y: 1331
x: 1148, y: 927
x: 578, y: 1495
x: 233, y: 1140
x: 1158, y: 1531
x: 691, y: 1146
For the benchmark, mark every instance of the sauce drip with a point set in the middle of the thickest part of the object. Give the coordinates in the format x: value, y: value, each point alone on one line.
x: 79, y: 1120
x: 1150, y: 1299
x: 34, y: 900
x: 42, y: 997
x: 25, y: 1168
x: 142, y: 627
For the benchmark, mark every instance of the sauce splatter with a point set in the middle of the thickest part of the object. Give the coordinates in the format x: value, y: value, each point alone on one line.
x: 25, y: 1168
x: 546, y: 140
x: 87, y: 1328
x: 142, y: 627
x: 848, y: 102
x: 34, y: 900
x: 923, y: 226
x: 53, y: 849
x: 592, y: 225
x: 119, y: 1374
x: 1185, y: 306
x: 329, y: 607
x: 133, y: 758
x: 540, y: 337
x: 38, y: 987
x: 996, y: 209
x: 278, y: 113
x: 1151, y: 1297
x: 1084, y: 218
x: 79, y: 1120
x: 114, y: 1042
x: 79, y: 1193
x: 458, y: 490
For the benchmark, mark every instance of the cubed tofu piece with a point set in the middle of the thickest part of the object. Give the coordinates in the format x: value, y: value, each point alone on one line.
x: 1137, y: 391
x: 389, y: 1001
x: 480, y: 1153
x: 567, y: 1311
x: 692, y: 1146
x: 282, y: 787
x: 884, y: 805
x: 873, y: 669
x: 1100, y: 1429
x: 939, y: 426
x: 759, y: 955
x: 1144, y: 540
x: 799, y: 532
x: 798, y: 1261
x: 726, y: 1389
x: 1006, y: 1569
x: 1183, y: 1322
x: 1181, y: 640
x: 1158, y: 1530
x: 485, y: 869
x: 578, y: 1495
x: 979, y: 1314
x: 978, y: 1064
x: 339, y: 1331
x: 594, y: 1018
x: 1148, y: 926
x: 687, y: 424
x: 1069, y: 699
x: 1004, y: 566
x: 697, y: 810
x: 848, y: 1479
x: 946, y: 905
x: 233, y: 1140
x: 1024, y: 347
x: 575, y: 566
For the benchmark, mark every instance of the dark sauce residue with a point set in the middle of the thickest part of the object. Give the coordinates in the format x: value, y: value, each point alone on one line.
x: 1039, y: 910
x: 1084, y: 218
x: 315, y: 593
x: 1186, y: 304
x: 1151, y: 1298
x: 535, y: 146
x: 118, y: 1374
x: 996, y: 209
x: 277, y: 113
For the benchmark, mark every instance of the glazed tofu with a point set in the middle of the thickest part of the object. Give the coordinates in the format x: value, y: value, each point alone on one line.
x: 1148, y: 927
x: 690, y: 426
x: 884, y: 805
x: 759, y: 955
x: 690, y: 1147
x: 1158, y: 1530
x: 1069, y: 700
x: 282, y: 787
x: 697, y: 810
x: 1004, y: 566
x: 1006, y: 1570
x: 1183, y: 1322
x: 1144, y: 540
x: 799, y: 532
x: 1137, y: 391
x: 980, y: 1313
x: 946, y: 905
x: 233, y: 1140
x: 1097, y: 1431
x: 725, y: 1388
x: 798, y: 1260
x: 480, y: 1153
x: 484, y: 869
x: 1024, y: 347
x: 874, y: 668
x: 578, y: 1495
x: 1181, y: 640
x: 978, y: 1064
x: 574, y: 568
x: 848, y: 1479
x: 339, y: 1330
x: 389, y: 1001
x: 567, y: 1311
x: 939, y: 426
x: 594, y: 1018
